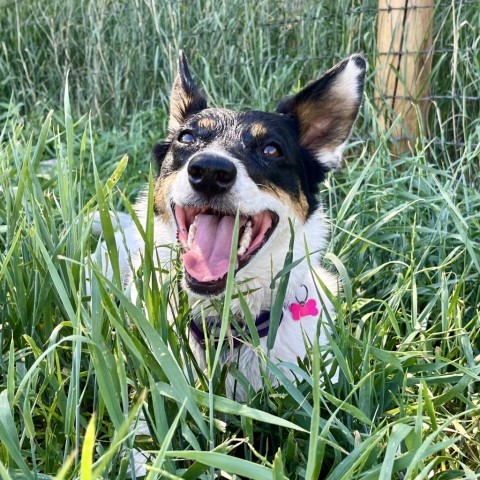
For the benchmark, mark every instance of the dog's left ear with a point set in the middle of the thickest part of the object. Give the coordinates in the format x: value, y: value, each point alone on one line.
x: 327, y: 108
x: 185, y: 99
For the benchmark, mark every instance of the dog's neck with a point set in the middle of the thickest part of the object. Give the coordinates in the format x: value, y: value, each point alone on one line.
x: 202, y: 327
x: 302, y: 300
x: 257, y: 297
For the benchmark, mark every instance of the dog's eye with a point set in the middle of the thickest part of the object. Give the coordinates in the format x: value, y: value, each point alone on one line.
x: 272, y: 151
x: 187, y: 138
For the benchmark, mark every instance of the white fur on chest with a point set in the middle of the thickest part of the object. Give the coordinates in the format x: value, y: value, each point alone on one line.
x: 293, y: 336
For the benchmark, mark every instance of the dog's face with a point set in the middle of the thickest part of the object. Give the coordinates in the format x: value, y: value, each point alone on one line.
x: 266, y: 166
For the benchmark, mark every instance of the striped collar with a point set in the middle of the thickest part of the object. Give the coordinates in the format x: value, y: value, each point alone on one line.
x: 262, y: 324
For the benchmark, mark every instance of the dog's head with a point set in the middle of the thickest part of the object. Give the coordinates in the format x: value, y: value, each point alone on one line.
x: 266, y: 166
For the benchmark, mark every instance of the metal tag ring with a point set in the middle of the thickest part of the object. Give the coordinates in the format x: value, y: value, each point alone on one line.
x: 302, y: 302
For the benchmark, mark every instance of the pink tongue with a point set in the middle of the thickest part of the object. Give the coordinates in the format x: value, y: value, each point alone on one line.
x: 209, y: 254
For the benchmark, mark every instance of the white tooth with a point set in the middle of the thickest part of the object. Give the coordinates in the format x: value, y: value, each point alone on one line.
x: 246, y: 239
x: 247, y: 235
x: 191, y: 232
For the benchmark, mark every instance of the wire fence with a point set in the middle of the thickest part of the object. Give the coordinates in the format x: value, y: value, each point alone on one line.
x: 120, y: 56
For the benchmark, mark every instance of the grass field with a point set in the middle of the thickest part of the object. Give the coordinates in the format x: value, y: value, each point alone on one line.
x: 83, y: 92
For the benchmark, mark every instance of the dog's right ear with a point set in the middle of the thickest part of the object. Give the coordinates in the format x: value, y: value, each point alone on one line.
x: 326, y: 109
x: 185, y: 99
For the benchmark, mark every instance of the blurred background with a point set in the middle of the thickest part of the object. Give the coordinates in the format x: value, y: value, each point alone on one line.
x: 84, y: 84
x: 120, y: 59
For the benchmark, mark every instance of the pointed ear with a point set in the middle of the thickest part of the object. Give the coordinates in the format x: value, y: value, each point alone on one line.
x: 327, y: 108
x: 185, y: 99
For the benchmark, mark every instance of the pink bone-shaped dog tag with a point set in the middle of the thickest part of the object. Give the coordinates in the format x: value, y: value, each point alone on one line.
x: 308, y: 308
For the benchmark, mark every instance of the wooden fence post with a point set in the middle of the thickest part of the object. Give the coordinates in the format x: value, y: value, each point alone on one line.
x: 404, y: 42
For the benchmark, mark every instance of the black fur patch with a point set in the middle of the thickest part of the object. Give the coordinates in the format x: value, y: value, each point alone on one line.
x: 294, y: 171
x: 282, y: 151
x: 158, y: 155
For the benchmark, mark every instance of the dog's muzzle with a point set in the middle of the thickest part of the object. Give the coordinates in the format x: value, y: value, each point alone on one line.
x: 205, y: 225
x: 211, y: 174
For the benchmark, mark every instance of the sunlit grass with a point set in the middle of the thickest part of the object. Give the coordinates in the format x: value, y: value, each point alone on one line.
x: 77, y: 373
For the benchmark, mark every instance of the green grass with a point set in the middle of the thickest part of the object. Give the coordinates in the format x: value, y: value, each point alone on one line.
x: 75, y: 373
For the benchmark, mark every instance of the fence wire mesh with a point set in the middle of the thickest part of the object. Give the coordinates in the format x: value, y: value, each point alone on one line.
x: 120, y: 56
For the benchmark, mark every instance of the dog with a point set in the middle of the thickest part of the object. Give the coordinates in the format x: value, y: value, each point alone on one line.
x: 262, y: 171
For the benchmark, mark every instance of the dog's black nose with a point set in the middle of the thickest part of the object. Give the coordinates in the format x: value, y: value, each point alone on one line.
x: 211, y: 174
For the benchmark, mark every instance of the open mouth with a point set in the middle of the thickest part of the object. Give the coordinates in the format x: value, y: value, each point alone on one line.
x: 206, y: 238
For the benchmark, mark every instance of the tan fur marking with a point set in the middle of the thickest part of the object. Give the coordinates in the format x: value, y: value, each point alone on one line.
x: 207, y: 123
x: 179, y: 103
x: 258, y: 130
x: 298, y: 203
x: 326, y: 126
x: 162, y: 185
